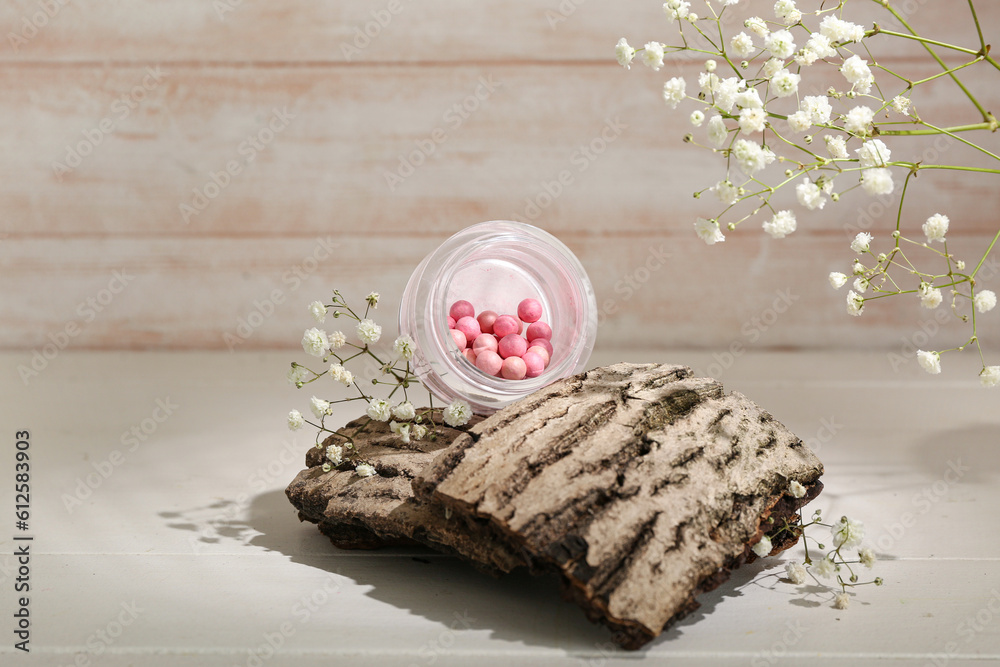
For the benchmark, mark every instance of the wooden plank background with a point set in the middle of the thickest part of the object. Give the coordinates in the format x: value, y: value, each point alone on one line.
x: 162, y: 95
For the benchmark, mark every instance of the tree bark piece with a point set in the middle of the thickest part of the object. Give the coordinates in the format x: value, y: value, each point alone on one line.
x: 640, y: 485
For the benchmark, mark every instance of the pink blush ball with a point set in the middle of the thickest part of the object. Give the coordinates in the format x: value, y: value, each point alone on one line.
x: 489, y: 362
x: 486, y: 320
x: 539, y: 351
x: 459, y: 339
x: 529, y: 310
x: 451, y: 322
x: 534, y: 364
x: 539, y: 330
x: 469, y: 326
x: 513, y: 368
x: 470, y: 355
x: 484, y: 342
x: 461, y: 309
x: 544, y: 344
x: 506, y: 325
x: 512, y: 345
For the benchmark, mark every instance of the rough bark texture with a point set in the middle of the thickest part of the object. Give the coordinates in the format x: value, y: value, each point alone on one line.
x: 638, y: 484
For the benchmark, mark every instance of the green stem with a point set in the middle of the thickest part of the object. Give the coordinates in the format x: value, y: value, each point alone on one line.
x: 949, y: 71
x: 946, y: 130
x: 924, y: 40
x: 985, y: 255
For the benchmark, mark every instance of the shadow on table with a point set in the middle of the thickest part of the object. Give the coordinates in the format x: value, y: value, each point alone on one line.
x: 460, y: 597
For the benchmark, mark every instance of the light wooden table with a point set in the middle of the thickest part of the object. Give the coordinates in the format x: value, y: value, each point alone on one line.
x: 188, y: 553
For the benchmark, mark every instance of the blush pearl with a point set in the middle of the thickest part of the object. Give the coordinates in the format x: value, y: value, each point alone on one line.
x: 469, y: 326
x: 512, y: 345
x: 485, y: 342
x: 489, y: 362
x: 451, y: 322
x: 486, y: 320
x: 544, y: 344
x: 513, y: 368
x: 461, y: 309
x: 539, y: 351
x: 469, y: 354
x: 529, y: 310
x: 534, y: 363
x: 539, y: 330
x: 506, y: 325
x: 459, y: 338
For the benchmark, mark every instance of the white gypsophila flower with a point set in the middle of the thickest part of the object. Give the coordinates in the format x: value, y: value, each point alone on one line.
x: 836, y: 147
x: 369, y: 332
x: 318, y: 311
x: 873, y: 153
x: 824, y: 568
x: 930, y: 297
x: 985, y: 301
x: 757, y: 26
x: 652, y: 56
x: 379, y: 410
x: 810, y: 195
x: 749, y: 99
x: 676, y: 9
x: 319, y: 407
x: 805, y: 57
x: 727, y: 2
x: 772, y: 67
x: 841, y: 601
x: 708, y: 231
x: 418, y: 431
x: 857, y: 120
x: 726, y: 92
x: 365, y: 470
x: 855, y: 304
x: 763, y: 548
x: 901, y: 105
x: 372, y: 299
x: 867, y: 557
x: 837, y: 280
x: 847, y: 532
x: 404, y: 347
x: 742, y: 45
x: 936, y: 227
x: 711, y: 65
x: 295, y: 420
x: 861, y: 284
x: 799, y: 122
x: 861, y: 243
x: 990, y: 376
x: 838, y: 30
x: 402, y: 430
x: 877, y: 181
x: 795, y: 573
x: 404, y: 411
x: 785, y: 83
x: 929, y: 361
x: 787, y: 12
x: 457, y: 413
x: 858, y: 268
x: 751, y: 156
x: 298, y: 374
x: 727, y: 193
x: 818, y: 107
x: 692, y: 17
x: 781, y: 225
x: 752, y: 120
x: 315, y: 342
x: 673, y: 91
x: 821, y: 45
x: 340, y: 374
x: 855, y: 69
x: 697, y: 117
x: 717, y: 131
x: 708, y: 82
x: 796, y: 489
x: 624, y: 53
x: 335, y: 454
x: 826, y: 184
x: 338, y: 340
x: 780, y: 43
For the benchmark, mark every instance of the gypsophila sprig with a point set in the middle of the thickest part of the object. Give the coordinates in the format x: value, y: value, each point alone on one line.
x: 750, y: 99
x: 821, y: 563
x: 336, y: 351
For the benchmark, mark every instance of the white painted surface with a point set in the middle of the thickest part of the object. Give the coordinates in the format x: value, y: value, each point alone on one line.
x: 193, y: 526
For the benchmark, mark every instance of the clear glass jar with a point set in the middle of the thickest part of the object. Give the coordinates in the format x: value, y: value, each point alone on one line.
x: 495, y: 265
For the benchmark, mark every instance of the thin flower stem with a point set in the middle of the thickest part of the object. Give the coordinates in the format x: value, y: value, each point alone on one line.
x: 942, y: 130
x: 953, y: 69
x: 924, y: 40
x: 985, y: 255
